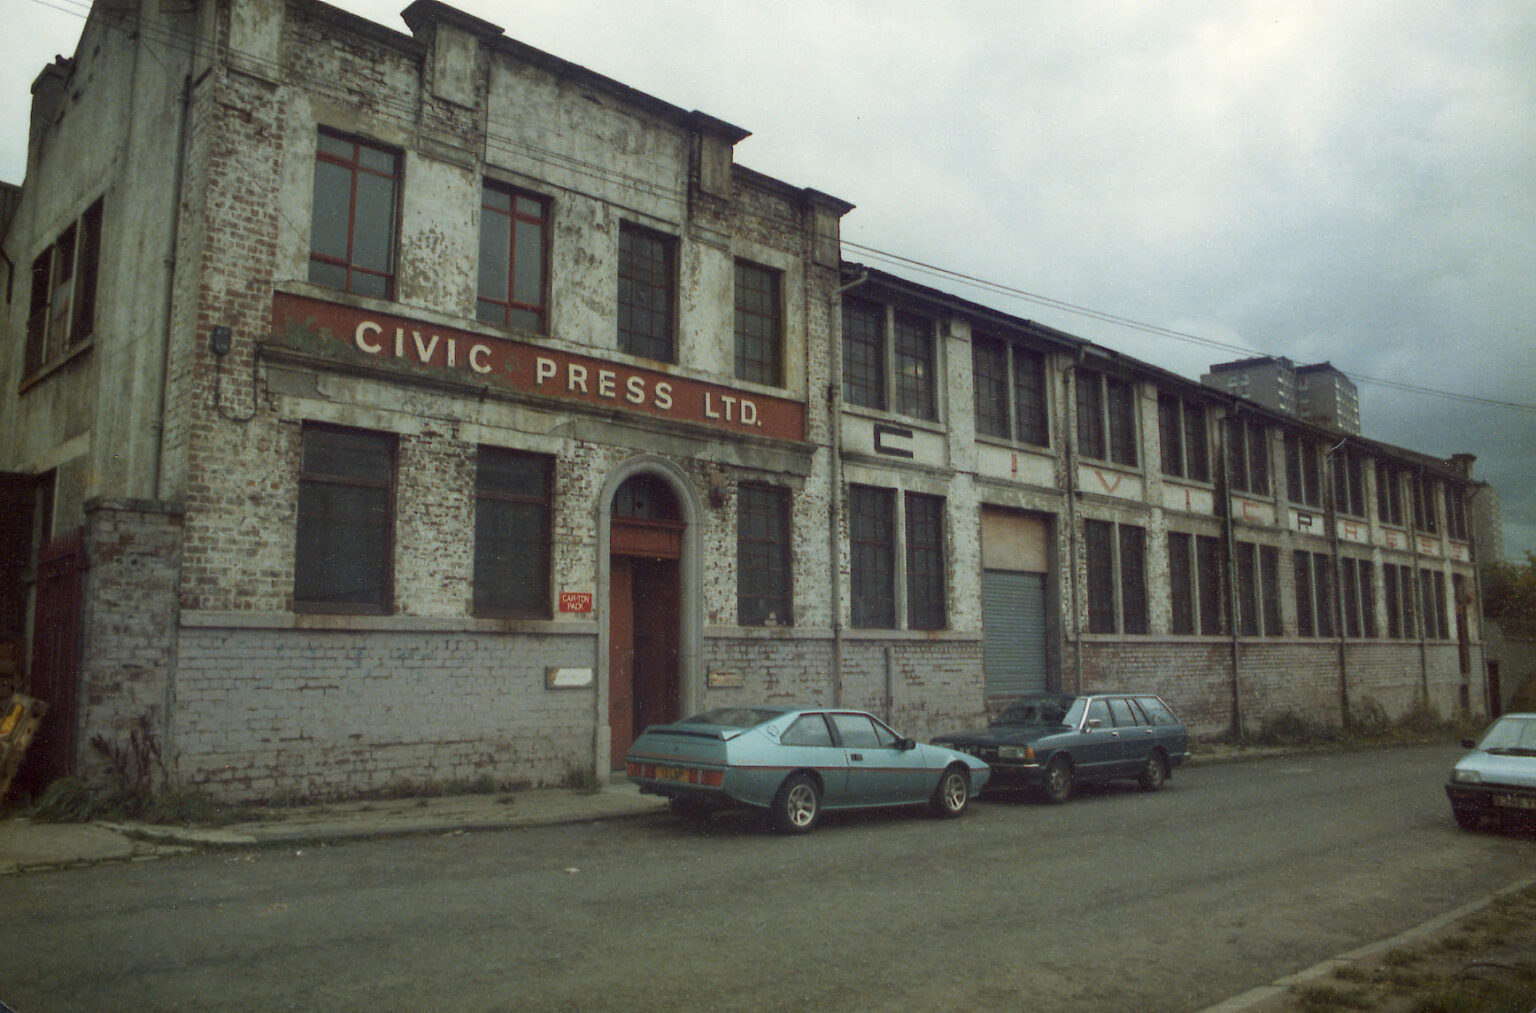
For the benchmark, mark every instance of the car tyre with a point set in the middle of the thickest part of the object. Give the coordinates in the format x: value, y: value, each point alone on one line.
x: 1155, y: 773
x: 952, y: 795
x: 797, y: 807
x: 1466, y: 819
x: 1058, y: 781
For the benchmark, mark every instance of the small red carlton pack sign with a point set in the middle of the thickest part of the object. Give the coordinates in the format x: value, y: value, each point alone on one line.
x: 575, y: 601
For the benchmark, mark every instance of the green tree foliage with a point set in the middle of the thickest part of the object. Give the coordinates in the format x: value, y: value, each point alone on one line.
x: 1509, y: 595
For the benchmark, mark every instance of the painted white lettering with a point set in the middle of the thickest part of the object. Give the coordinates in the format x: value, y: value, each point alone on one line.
x: 576, y: 378
x: 364, y: 329
x: 730, y: 406
x: 399, y: 342
x: 634, y: 390
x: 477, y: 356
x: 709, y: 407
x: 544, y: 369
x: 424, y: 350
x: 663, y: 398
x: 451, y: 349
x: 748, y: 412
x: 606, y: 383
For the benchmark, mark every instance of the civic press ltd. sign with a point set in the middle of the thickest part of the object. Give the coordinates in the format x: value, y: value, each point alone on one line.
x: 537, y: 370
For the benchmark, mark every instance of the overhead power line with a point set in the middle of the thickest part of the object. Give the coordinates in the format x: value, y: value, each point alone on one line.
x: 1156, y: 329
x: 403, y: 114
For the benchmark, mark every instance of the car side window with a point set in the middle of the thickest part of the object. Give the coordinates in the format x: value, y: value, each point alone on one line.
x: 885, y: 737
x: 1156, y: 712
x: 856, y: 731
x: 1098, y: 711
x: 809, y: 730
x: 1124, y: 716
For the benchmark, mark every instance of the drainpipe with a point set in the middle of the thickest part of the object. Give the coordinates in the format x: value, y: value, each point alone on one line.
x: 1331, y: 512
x: 1229, y: 537
x: 1418, y: 590
x: 177, y: 175
x: 1070, y: 429
x: 1477, y: 598
x: 835, y: 477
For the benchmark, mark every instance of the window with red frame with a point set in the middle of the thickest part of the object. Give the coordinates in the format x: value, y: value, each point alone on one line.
x: 356, y: 216
x: 514, y: 245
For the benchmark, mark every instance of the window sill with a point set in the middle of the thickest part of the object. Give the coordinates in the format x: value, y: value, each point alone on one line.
x: 56, y: 365
x: 209, y: 619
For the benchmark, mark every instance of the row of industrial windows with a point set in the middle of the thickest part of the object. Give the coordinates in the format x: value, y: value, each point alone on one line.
x: 344, y: 548
x: 355, y: 233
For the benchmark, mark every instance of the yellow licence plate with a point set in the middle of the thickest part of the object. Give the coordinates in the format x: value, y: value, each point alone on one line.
x: 671, y: 774
x: 1515, y: 801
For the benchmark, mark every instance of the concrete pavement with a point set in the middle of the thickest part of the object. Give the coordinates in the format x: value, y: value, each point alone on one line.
x: 26, y: 845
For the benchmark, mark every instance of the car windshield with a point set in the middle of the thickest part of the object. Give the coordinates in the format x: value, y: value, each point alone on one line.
x: 735, y: 717
x: 1041, y: 710
x: 1511, y: 736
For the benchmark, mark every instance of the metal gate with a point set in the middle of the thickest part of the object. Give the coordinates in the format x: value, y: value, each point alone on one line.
x: 56, y: 657
x: 1013, y: 626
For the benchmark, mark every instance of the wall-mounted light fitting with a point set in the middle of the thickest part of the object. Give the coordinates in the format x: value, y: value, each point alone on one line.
x: 219, y: 340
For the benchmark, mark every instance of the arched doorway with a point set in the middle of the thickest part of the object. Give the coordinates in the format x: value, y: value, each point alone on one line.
x: 645, y: 541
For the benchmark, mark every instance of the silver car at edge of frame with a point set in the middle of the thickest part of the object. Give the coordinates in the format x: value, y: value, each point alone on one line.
x: 1497, y: 779
x: 795, y: 763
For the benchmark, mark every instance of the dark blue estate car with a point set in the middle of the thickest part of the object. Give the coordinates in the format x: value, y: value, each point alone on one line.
x: 1054, y: 741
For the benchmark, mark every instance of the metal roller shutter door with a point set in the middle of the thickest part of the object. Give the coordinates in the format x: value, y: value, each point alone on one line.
x: 1013, y: 628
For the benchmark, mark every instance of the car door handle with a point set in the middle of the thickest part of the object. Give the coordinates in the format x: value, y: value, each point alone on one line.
x: 855, y: 756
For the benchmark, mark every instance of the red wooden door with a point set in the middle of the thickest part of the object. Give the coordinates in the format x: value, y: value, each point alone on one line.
x: 656, y: 639
x: 56, y: 658
x: 621, y: 658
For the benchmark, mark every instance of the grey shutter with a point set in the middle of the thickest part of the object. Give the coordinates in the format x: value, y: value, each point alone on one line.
x: 1013, y: 627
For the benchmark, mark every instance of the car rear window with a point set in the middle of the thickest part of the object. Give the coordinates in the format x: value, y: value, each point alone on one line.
x: 1037, y: 711
x: 735, y: 717
x: 1157, y: 711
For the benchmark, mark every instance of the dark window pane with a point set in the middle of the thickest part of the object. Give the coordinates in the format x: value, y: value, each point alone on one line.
x: 353, y: 219
x: 495, y: 255
x: 1269, y: 588
x: 863, y: 354
x: 914, y: 367
x: 925, y: 562
x: 1302, y: 565
x: 872, y: 536
x: 512, y: 537
x: 1090, y: 416
x: 1170, y: 428
x: 1121, y: 399
x: 1100, y: 555
x: 1029, y: 397
x: 762, y: 556
x: 989, y: 370
x: 1181, y: 583
x: 758, y: 326
x: 1258, y: 459
x: 1133, y: 581
x: 1208, y: 565
x: 1322, y: 579
x: 646, y: 292
x: 1247, y: 589
x: 1197, y: 456
x: 343, y: 540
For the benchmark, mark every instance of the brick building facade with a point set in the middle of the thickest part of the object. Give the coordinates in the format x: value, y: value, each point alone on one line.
x: 424, y: 407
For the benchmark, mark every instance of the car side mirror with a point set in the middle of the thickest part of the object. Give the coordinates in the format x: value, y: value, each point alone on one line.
x: 1468, y: 743
x: 1094, y: 723
x: 905, y: 744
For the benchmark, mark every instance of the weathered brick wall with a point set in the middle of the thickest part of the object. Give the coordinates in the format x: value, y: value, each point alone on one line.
x: 264, y: 712
x: 923, y: 687
x: 128, y: 625
x: 784, y: 670
x: 1195, y: 678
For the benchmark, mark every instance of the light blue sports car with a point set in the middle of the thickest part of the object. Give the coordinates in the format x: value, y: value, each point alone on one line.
x: 794, y: 762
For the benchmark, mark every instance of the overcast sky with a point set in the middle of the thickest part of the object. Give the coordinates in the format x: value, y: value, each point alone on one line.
x: 1350, y: 182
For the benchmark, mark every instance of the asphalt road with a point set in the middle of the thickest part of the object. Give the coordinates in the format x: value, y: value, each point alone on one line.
x: 1231, y: 876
